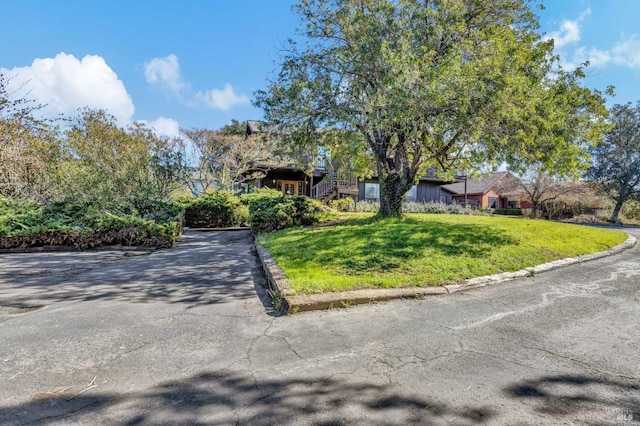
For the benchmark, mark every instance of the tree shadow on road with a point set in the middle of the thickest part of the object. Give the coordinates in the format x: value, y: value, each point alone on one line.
x: 577, y: 396
x: 203, y: 269
x: 217, y: 398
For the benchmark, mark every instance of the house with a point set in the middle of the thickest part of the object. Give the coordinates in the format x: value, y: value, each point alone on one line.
x: 483, y: 192
x: 325, y: 183
x: 322, y: 183
x: 428, y: 189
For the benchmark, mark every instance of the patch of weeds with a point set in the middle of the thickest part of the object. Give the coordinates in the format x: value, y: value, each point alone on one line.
x: 276, y: 299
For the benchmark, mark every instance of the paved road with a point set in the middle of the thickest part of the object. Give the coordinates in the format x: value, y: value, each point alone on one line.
x: 186, y: 336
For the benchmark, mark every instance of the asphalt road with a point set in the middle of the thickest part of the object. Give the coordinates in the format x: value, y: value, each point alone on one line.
x: 187, y: 336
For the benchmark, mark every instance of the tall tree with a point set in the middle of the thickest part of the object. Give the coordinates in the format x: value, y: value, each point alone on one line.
x: 223, y: 158
x: 130, y: 169
x: 616, y: 162
x: 539, y: 189
x: 445, y: 84
x: 29, y: 147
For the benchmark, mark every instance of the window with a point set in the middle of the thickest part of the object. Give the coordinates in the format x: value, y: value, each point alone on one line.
x: 493, y: 202
x: 371, y: 191
x: 512, y: 204
x: 412, y: 194
x: 289, y: 189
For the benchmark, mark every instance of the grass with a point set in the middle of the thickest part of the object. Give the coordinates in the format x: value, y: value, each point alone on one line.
x: 360, y: 250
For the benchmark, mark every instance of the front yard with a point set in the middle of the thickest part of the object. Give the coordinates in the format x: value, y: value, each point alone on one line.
x: 359, y: 250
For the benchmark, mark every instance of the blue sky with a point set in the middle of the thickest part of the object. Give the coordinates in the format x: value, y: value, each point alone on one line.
x: 196, y: 63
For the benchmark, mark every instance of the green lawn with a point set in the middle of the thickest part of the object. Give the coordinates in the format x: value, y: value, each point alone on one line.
x: 362, y: 251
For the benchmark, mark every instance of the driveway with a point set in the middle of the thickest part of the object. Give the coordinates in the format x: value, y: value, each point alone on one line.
x: 186, y: 336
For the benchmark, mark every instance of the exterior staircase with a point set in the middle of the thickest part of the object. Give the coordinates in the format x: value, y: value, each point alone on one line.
x: 334, y: 186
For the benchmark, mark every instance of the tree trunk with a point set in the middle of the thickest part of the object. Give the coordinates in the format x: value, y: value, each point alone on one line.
x: 392, y: 191
x: 534, y: 211
x: 616, y: 211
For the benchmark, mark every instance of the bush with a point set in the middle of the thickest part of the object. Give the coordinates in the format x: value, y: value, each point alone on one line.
x: 285, y: 211
x: 367, y: 206
x: 216, y: 209
x: 416, y: 207
x: 259, y: 194
x: 508, y: 212
x: 434, y: 208
x: 24, y: 224
x: 342, y: 204
x: 631, y: 210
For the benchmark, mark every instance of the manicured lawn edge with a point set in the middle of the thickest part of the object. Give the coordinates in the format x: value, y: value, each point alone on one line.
x: 284, y: 299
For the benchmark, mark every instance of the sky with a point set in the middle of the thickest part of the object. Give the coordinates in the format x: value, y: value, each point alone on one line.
x: 197, y: 63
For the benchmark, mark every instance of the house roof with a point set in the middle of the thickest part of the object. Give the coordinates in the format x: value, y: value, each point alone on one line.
x: 253, y: 126
x: 480, y: 185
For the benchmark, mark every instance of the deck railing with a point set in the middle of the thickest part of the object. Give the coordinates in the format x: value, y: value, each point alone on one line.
x: 321, y: 189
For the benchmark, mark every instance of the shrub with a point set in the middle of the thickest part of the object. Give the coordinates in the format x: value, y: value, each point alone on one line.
x: 25, y: 224
x: 367, y: 206
x: 416, y: 207
x: 434, y: 208
x: 342, y: 204
x: 508, y: 212
x: 259, y: 194
x: 216, y: 209
x: 273, y: 214
x: 631, y: 210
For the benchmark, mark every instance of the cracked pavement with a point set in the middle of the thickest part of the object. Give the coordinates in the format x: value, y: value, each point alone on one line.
x: 187, y: 336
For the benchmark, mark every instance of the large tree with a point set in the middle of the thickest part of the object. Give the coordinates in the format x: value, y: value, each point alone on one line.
x: 131, y: 168
x: 446, y: 84
x: 29, y: 149
x: 540, y: 189
x: 224, y: 158
x: 616, y: 162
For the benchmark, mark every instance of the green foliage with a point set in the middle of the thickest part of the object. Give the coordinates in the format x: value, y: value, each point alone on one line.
x: 26, y: 224
x: 443, y: 84
x: 616, y: 161
x: 508, y: 212
x: 343, y: 204
x: 215, y: 209
x: 128, y: 169
x: 417, y: 207
x: 259, y: 194
x: 366, y: 251
x: 95, y: 183
x: 272, y: 214
x: 631, y: 210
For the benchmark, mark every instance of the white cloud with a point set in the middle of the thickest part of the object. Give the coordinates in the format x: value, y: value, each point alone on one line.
x: 165, y: 72
x: 65, y: 84
x: 569, y: 31
x: 164, y: 127
x: 627, y: 52
x: 222, y: 99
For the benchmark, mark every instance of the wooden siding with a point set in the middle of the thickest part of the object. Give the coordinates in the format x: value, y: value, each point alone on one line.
x: 425, y: 193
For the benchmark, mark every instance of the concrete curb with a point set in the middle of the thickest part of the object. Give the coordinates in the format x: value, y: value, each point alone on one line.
x: 285, y: 296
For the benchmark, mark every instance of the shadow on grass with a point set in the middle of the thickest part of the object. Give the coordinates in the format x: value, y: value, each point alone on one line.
x: 370, y: 243
x: 203, y: 269
x: 221, y: 398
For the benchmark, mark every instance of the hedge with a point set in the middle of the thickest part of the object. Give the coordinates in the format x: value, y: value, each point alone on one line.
x: 508, y: 212
x: 25, y: 224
